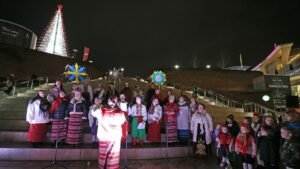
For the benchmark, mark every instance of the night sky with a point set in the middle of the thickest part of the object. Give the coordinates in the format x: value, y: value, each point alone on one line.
x: 146, y: 35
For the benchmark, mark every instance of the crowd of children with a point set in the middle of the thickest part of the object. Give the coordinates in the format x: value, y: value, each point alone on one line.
x: 259, y: 142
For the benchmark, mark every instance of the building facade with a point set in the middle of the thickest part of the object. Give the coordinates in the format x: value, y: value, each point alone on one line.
x: 283, y: 60
x: 15, y: 34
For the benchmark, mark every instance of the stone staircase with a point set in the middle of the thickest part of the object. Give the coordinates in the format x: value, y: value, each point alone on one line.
x: 13, y: 130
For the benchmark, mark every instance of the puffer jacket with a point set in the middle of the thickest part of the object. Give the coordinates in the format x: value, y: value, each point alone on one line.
x: 77, y: 107
x: 58, y: 108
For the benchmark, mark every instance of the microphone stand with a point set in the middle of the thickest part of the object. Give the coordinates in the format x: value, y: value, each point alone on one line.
x: 167, y: 140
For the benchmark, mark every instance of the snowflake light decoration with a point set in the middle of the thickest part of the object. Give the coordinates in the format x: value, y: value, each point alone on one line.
x: 75, y: 73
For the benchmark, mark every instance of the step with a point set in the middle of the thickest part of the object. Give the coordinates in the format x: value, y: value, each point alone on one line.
x: 21, y: 136
x: 14, y: 108
x: 21, y: 115
x: 10, y: 115
x: 22, y: 151
x: 13, y: 124
x: 26, y: 95
x: 13, y: 105
x: 31, y: 91
x: 16, y: 100
x: 22, y: 124
x: 42, y: 88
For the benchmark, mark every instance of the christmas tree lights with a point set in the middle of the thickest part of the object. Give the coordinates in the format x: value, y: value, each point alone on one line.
x: 54, y: 40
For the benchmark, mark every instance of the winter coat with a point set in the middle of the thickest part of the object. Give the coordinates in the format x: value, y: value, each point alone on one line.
x: 234, y: 129
x: 34, y: 114
x: 111, y: 92
x: 99, y: 93
x: 77, y: 107
x: 53, y: 94
x: 255, y: 127
x: 224, y: 139
x: 110, y: 121
x: 201, y: 119
x: 149, y: 94
x: 58, y: 108
x: 193, y: 107
x: 275, y: 142
x: 87, y: 92
x: 128, y: 94
x: 267, y: 149
x: 249, y: 147
x: 290, y: 153
x: 184, y: 117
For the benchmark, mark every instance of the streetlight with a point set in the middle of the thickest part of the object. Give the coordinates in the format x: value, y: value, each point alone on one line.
x: 74, y: 52
x: 122, y: 69
x: 208, y: 66
x: 176, y: 66
x: 266, y: 98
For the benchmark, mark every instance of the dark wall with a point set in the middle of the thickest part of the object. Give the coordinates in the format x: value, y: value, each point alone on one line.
x: 237, y: 85
x: 25, y: 62
x: 217, y: 80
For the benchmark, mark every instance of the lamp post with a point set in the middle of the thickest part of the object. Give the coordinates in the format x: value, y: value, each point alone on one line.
x: 122, y: 71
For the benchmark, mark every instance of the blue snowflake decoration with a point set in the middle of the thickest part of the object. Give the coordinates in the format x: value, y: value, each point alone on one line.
x: 75, y: 73
x: 158, y: 77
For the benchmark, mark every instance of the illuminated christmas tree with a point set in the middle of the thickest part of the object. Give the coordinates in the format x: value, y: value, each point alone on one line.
x: 53, y: 40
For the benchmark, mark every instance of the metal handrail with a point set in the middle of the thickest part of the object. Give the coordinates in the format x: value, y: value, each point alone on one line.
x: 218, y: 98
x: 29, y: 83
x: 254, y: 107
x: 225, y: 101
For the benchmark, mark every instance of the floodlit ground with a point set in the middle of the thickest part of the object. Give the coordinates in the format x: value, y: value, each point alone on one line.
x: 178, y: 163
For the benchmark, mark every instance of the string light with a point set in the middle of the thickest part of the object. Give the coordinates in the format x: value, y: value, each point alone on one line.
x: 54, y: 39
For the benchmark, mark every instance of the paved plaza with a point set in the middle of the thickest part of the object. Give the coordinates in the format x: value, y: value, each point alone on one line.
x: 178, y: 163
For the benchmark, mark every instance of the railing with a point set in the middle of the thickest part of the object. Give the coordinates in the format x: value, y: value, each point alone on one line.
x: 254, y: 107
x: 27, y: 85
x: 219, y: 99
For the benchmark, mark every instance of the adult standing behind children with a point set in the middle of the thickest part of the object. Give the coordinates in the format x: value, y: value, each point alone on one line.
x: 202, y: 128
